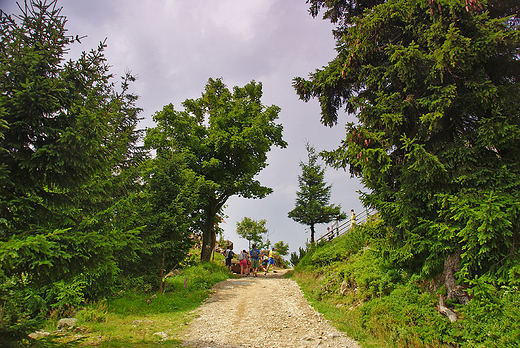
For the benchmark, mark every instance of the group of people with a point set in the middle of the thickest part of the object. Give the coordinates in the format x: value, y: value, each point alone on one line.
x: 250, y: 262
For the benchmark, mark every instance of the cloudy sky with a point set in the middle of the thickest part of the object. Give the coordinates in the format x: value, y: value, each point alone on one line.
x: 174, y: 46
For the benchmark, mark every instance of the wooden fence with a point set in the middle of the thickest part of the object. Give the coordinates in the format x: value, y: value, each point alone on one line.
x: 338, y: 229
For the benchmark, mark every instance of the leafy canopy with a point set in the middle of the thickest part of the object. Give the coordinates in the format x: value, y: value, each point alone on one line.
x: 253, y: 231
x: 225, y: 136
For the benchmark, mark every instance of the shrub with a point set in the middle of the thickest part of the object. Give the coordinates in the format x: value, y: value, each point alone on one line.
x: 19, y: 306
x: 491, y: 317
x: 405, y: 317
x: 95, y: 313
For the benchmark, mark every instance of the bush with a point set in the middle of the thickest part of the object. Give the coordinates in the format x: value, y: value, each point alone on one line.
x: 19, y: 306
x: 382, y: 306
x: 95, y: 313
x: 406, y: 317
x: 491, y: 317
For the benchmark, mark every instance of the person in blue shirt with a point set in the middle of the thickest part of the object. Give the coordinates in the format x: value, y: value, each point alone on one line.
x: 255, y: 262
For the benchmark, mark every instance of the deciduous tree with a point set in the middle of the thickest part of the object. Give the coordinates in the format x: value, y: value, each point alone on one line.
x: 253, y: 231
x: 281, y: 248
x: 225, y: 137
x: 172, y: 193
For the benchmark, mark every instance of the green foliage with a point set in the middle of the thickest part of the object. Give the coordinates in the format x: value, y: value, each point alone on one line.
x: 434, y: 86
x: 171, y: 192
x: 132, y: 316
x: 68, y: 175
x: 67, y: 295
x: 491, y: 317
x: 338, y: 250
x: 19, y: 308
x: 383, y: 306
x: 406, y: 317
x: 253, y: 231
x: 312, y: 200
x: 96, y: 312
x: 225, y: 137
x: 296, y: 257
x: 185, y: 290
x: 485, y: 221
x: 281, y: 248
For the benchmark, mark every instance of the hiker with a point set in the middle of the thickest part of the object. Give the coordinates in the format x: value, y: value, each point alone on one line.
x: 255, y: 263
x: 270, y: 260
x: 352, y: 218
x: 242, y: 257
x: 264, y: 262
x: 229, y: 257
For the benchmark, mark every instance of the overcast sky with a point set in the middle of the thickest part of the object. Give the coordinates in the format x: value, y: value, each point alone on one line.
x: 174, y: 46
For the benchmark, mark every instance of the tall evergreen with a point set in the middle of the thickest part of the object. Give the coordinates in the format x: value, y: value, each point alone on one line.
x: 68, y: 155
x: 312, y: 200
x: 434, y: 86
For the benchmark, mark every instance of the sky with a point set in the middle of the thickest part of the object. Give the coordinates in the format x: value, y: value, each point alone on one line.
x: 175, y: 46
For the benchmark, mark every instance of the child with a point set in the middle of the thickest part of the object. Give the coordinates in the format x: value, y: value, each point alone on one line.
x: 264, y: 262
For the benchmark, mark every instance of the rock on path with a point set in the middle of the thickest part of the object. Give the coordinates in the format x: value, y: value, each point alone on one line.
x: 267, y: 311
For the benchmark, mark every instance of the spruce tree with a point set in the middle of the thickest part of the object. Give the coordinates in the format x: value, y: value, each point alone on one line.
x: 312, y: 200
x: 68, y: 155
x: 434, y: 86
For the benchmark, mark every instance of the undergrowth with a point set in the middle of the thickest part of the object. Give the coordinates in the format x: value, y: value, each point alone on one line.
x: 140, y: 317
x: 349, y: 284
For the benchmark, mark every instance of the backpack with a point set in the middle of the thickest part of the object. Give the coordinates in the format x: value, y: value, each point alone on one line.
x: 240, y: 256
x: 230, y: 254
x: 255, y: 253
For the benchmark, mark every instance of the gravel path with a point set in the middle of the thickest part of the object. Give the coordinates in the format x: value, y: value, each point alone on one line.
x: 267, y: 311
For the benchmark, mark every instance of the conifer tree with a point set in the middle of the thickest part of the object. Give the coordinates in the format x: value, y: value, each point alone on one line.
x: 67, y: 153
x: 312, y: 200
x: 434, y: 86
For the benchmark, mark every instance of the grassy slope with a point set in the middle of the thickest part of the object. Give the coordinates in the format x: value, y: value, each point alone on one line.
x: 133, y: 318
x: 387, y: 308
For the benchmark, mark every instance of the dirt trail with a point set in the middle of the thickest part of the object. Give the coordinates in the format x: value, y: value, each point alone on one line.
x: 267, y: 311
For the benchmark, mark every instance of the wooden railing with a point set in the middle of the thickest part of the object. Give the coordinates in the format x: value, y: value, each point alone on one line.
x: 338, y: 229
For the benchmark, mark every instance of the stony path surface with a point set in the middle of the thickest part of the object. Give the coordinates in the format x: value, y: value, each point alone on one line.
x: 267, y: 311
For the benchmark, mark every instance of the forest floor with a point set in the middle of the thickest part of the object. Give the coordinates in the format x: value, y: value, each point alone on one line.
x: 264, y: 311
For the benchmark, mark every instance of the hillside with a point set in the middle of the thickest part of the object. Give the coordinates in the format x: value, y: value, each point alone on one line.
x: 354, y: 287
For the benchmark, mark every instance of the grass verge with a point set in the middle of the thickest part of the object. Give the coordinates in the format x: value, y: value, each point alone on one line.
x: 379, y: 306
x: 138, y: 319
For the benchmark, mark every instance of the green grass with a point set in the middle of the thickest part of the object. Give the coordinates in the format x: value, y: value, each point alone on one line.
x: 133, y: 318
x: 384, y: 307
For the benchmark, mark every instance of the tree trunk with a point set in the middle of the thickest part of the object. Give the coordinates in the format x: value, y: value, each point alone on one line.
x: 451, y: 266
x: 312, y: 234
x: 208, y: 234
x: 161, y: 273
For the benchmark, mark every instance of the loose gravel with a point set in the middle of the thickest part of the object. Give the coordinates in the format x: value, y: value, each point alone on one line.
x: 266, y: 311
